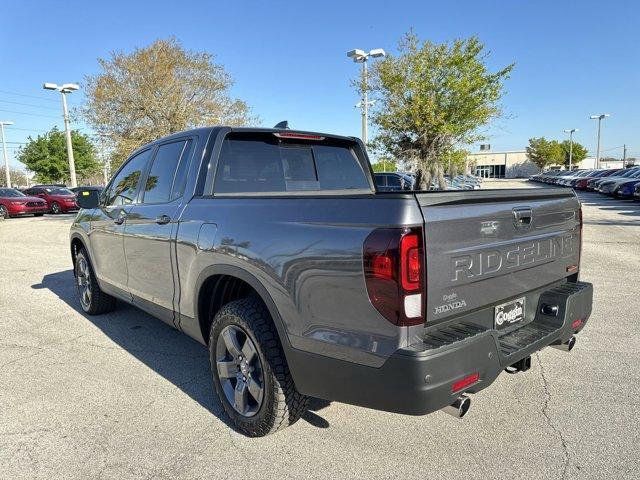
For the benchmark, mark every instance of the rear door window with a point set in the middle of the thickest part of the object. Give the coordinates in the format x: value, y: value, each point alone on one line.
x: 164, y: 169
x: 262, y: 163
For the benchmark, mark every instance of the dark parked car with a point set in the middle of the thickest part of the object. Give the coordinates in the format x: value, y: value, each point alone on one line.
x: 14, y: 203
x: 636, y: 192
x: 581, y: 183
x: 274, y: 249
x: 625, y: 189
x: 393, y: 181
x: 59, y: 199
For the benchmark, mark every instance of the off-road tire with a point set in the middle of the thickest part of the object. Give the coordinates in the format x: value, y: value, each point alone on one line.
x: 99, y: 302
x: 282, y: 405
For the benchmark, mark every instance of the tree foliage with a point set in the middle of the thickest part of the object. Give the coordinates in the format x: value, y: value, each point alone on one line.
x: 545, y: 153
x: 432, y: 99
x: 384, y: 165
x: 18, y: 178
x: 158, y: 90
x: 46, y: 156
x: 578, y: 152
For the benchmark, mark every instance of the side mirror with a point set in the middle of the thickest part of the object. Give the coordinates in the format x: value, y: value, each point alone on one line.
x: 88, y: 199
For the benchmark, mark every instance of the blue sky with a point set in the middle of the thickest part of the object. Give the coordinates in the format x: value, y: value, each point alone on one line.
x: 288, y: 59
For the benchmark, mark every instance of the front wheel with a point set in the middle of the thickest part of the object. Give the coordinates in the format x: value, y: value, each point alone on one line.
x: 3, y: 212
x: 55, y: 208
x: 92, y: 299
x: 250, y: 372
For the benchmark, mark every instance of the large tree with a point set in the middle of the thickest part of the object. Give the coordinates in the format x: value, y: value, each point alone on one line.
x: 578, y: 152
x: 158, y: 90
x: 545, y: 152
x: 18, y: 178
x: 46, y: 156
x: 433, y: 98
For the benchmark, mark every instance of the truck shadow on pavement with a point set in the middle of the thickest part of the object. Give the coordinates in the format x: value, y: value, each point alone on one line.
x: 168, y: 352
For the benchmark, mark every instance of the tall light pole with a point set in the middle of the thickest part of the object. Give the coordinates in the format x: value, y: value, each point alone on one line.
x: 64, y: 90
x: 599, y: 118
x: 360, y: 56
x: 4, y: 151
x: 570, y: 132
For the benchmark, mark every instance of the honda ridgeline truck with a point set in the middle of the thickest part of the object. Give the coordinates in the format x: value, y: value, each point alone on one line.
x: 274, y: 249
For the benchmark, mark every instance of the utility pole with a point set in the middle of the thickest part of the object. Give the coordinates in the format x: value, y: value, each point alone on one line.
x: 105, y: 164
x: 624, y: 155
x: 64, y: 90
x: 570, y: 132
x: 599, y: 118
x: 360, y: 56
x: 4, y: 151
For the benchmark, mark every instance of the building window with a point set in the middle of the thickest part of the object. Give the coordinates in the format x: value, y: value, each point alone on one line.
x: 490, y: 171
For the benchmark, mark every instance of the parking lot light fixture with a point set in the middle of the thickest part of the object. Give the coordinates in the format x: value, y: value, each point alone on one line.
x: 599, y: 118
x: 571, y: 132
x: 4, y: 151
x: 65, y: 89
x: 360, y: 56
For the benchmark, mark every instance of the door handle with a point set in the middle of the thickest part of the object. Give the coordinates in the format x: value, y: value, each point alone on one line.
x: 163, y: 219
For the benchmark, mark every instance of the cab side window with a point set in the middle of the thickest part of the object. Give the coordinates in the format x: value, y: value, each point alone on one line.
x: 124, y: 186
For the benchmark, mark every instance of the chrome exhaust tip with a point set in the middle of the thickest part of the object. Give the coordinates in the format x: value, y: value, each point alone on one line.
x: 566, y: 347
x: 459, y: 407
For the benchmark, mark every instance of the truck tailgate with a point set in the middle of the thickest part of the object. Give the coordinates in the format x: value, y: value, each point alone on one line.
x: 485, y: 247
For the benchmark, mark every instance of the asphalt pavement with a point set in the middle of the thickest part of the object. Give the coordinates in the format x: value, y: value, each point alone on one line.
x: 124, y: 396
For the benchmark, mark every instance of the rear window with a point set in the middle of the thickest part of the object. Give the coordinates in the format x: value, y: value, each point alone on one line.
x: 263, y: 163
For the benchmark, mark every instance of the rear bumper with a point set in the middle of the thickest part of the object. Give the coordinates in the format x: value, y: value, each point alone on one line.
x: 418, y: 380
x: 68, y: 208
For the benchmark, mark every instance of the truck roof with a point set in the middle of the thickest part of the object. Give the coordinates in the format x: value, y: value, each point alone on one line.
x: 215, y: 129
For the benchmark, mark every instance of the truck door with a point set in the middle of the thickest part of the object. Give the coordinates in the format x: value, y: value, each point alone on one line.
x: 110, y: 219
x: 151, y: 227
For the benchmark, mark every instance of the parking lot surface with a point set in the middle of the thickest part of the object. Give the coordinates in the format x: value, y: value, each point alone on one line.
x: 124, y: 396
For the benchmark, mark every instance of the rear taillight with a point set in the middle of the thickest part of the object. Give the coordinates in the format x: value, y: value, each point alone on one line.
x: 581, y: 235
x: 395, y: 274
x: 465, y: 382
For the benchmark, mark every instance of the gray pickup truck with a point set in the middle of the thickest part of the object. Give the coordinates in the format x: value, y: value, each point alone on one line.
x: 274, y: 249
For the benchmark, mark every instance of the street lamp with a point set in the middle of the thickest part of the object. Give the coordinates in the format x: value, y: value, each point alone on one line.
x: 4, y: 151
x: 64, y: 90
x: 360, y: 56
x: 599, y: 118
x: 570, y: 132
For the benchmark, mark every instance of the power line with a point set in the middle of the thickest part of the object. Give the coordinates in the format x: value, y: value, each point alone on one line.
x: 46, y: 99
x: 26, y: 129
x: 32, y: 114
x: 28, y: 105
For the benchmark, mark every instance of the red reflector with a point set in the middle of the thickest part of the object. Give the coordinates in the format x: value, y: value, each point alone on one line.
x: 410, y: 263
x: 382, y: 267
x: 303, y: 136
x: 465, y: 382
x: 576, y: 323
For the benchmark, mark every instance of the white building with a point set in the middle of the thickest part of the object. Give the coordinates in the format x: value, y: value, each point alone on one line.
x: 507, y: 164
x: 516, y: 164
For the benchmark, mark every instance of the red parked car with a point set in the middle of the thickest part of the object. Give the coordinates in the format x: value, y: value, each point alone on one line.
x: 14, y: 203
x: 59, y: 199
